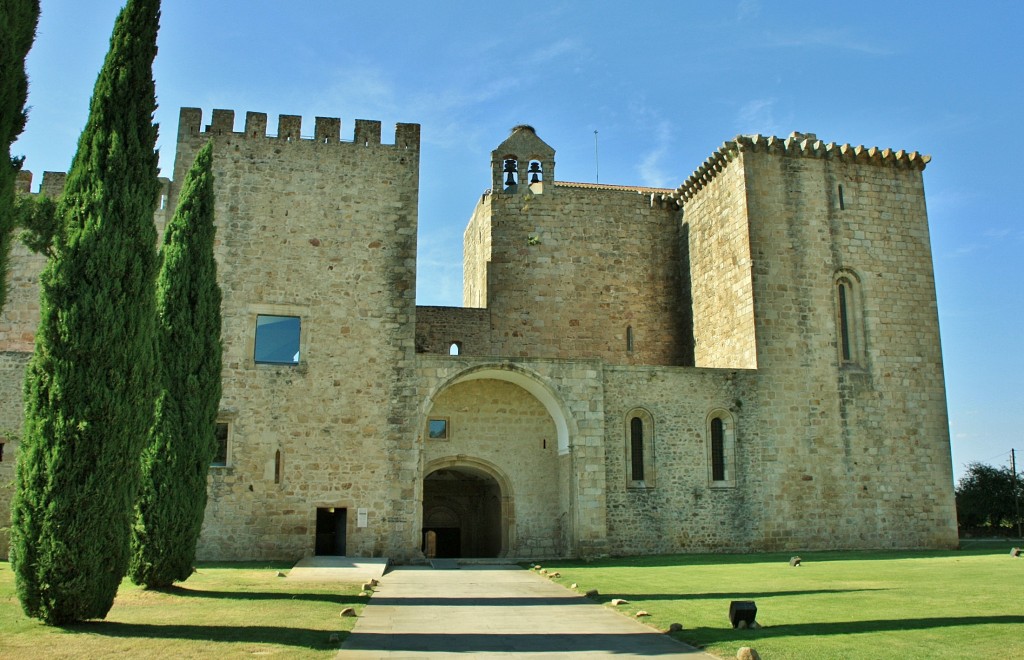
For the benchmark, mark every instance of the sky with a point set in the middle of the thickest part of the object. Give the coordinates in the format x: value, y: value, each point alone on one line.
x: 636, y: 94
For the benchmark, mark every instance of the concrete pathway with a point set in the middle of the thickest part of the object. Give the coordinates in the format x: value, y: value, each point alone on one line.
x: 419, y: 612
x: 338, y: 569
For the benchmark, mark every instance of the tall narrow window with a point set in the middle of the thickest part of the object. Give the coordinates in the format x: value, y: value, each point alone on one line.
x: 717, y: 449
x: 636, y: 448
x: 721, y: 449
x: 277, y: 467
x: 849, y: 319
x: 639, y: 449
x: 842, y: 289
x: 629, y: 338
x: 222, y: 435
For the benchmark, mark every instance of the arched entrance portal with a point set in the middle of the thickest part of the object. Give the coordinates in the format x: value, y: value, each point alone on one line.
x: 465, y: 513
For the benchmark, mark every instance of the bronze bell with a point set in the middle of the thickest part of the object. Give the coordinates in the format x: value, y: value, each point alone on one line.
x: 510, y: 170
x: 535, y: 172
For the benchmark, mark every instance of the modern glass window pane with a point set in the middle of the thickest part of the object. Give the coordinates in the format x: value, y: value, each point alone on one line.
x: 277, y: 339
x: 438, y: 429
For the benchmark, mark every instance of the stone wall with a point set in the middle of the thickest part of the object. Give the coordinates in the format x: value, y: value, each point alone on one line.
x: 682, y: 510
x: 716, y: 225
x: 437, y: 328
x: 866, y: 440
x: 575, y: 271
x: 323, y: 230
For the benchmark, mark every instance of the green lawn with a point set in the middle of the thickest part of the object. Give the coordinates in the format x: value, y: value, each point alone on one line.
x: 843, y: 605
x: 224, y: 610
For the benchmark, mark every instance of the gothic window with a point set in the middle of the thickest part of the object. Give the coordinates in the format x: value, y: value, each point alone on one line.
x: 721, y: 449
x: 455, y: 348
x: 639, y: 449
x: 849, y: 319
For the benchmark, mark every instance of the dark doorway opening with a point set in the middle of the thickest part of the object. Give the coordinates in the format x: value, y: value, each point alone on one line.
x: 462, y: 507
x: 330, y: 531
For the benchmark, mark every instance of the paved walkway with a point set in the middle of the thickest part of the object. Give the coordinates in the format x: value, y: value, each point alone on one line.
x: 338, y: 569
x: 419, y: 612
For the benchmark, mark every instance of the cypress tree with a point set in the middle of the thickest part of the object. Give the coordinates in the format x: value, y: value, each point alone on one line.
x: 18, y: 19
x: 172, y: 499
x: 89, y: 387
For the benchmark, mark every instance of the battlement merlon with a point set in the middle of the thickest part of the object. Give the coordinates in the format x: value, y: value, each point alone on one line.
x: 799, y: 145
x: 327, y: 130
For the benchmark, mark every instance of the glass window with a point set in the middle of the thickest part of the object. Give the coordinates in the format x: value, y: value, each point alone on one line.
x: 277, y: 339
x: 437, y: 429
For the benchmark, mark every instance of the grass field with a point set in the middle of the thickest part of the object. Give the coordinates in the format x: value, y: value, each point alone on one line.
x: 223, y: 610
x: 842, y: 605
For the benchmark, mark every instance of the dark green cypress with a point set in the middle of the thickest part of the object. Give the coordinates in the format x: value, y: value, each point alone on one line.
x: 172, y: 500
x: 18, y: 19
x: 90, y: 385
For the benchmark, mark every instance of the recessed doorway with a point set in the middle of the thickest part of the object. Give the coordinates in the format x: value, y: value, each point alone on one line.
x: 462, y: 514
x: 331, y: 528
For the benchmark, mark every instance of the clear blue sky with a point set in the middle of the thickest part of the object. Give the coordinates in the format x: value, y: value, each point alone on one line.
x: 664, y: 83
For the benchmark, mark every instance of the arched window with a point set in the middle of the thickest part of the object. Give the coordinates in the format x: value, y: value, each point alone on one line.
x: 455, y: 348
x: 849, y: 319
x: 721, y: 449
x: 636, y: 448
x: 639, y: 449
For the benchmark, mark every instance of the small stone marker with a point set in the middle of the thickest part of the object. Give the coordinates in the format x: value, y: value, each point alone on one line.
x: 543, y: 571
x: 1015, y: 552
x: 280, y: 574
x: 367, y: 586
x: 592, y: 593
x: 348, y: 611
x: 641, y: 613
x: 794, y: 561
x: 556, y: 574
x: 574, y: 586
x: 619, y: 601
x: 675, y: 627
x: 747, y: 653
x: 364, y: 594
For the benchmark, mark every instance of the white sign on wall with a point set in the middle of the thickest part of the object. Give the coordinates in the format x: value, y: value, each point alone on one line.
x: 361, y: 516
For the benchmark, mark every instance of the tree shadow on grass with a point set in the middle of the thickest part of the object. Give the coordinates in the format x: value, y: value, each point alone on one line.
x: 727, y: 559
x: 279, y: 635
x: 739, y: 595
x: 336, y: 599
x: 706, y: 636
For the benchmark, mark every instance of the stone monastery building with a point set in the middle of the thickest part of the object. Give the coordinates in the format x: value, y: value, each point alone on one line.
x: 748, y: 362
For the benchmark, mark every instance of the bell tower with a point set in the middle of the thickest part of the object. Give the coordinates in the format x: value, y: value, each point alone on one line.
x: 522, y: 163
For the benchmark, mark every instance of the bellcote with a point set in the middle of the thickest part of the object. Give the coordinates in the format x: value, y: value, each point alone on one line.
x: 522, y: 163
